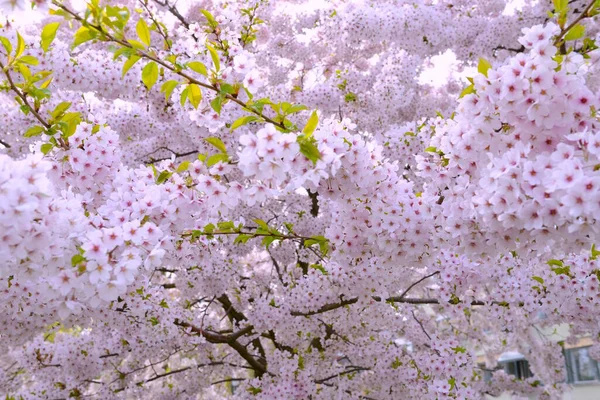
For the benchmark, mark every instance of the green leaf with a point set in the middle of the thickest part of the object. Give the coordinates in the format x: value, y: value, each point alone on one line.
x: 294, y: 109
x: 560, y: 5
x: 168, y: 87
x: 562, y: 270
x: 309, y: 149
x: 143, y: 32
x: 129, y: 63
x: 311, y: 125
x: 262, y: 224
x: 82, y: 35
x: 150, y: 74
x: 452, y: 383
x: 198, y: 67
x: 136, y: 44
x: 538, y: 279
x: 319, y: 267
x: 576, y: 32
x: 484, y: 66
x: 226, y: 226
x: 216, y: 104
x: 595, y: 253
x: 163, y: 177
x: 267, y: 240
x: 76, y: 259
x: 163, y: 304
x: 215, y: 57
x: 31, y: 60
x: 183, y: 166
x: 350, y: 97
x: 60, y: 109
x: 6, y: 44
x: 48, y: 35
x: 215, y: 158
x: 194, y: 94
x: 243, y: 121
x: 218, y: 143
x: 242, y: 238
x: 126, y: 51
x: 46, y: 148
x: 556, y: 263
x: 254, y: 390
x: 468, y: 90
x: 209, y: 17
x: 183, y: 97
x: 34, y: 131
x: 68, y: 123
x: 20, y: 46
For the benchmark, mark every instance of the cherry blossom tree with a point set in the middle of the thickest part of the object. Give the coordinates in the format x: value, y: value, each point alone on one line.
x: 262, y: 199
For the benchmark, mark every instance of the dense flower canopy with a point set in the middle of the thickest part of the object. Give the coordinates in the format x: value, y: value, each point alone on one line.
x: 263, y: 198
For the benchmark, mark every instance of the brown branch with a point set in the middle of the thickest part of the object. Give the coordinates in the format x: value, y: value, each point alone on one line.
x: 326, y: 307
x: 156, y: 23
x: 421, y: 325
x: 177, y: 155
x: 277, y: 235
x: 23, y: 97
x: 348, y: 371
x: 232, y: 342
x: 174, y: 11
x: 166, y: 374
x: 3, y: 143
x: 413, y: 285
x: 167, y: 66
x: 228, y: 380
x: 572, y: 24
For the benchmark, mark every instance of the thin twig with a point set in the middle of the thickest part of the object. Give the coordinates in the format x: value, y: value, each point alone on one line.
x: 23, y: 97
x: 167, y: 66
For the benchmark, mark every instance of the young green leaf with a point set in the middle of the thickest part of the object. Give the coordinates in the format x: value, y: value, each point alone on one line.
x: 129, y: 63
x: 198, y: 67
x: 168, y: 87
x: 6, y: 44
x: 218, y: 143
x: 576, y: 32
x: 243, y: 121
x: 194, y: 94
x: 183, y: 97
x: 483, y: 66
x: 60, y: 109
x: 34, y: 131
x: 82, y: 35
x: 20, y: 46
x: 150, y: 74
x: 468, y: 90
x: 215, y: 158
x: 183, y: 166
x: 215, y: 57
x: 143, y: 32
x: 311, y: 125
x: 27, y: 59
x: 46, y: 148
x: 216, y: 104
x: 209, y: 17
x: 48, y: 35
x: 309, y: 149
x: 163, y: 176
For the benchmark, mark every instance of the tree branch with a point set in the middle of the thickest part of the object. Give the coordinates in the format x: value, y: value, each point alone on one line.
x: 23, y: 97
x: 167, y: 66
x: 230, y: 340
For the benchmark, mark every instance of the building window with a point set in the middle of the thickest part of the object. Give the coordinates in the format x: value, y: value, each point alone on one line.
x: 518, y: 368
x: 580, y: 366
